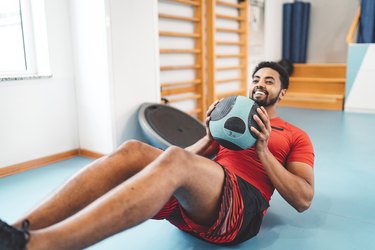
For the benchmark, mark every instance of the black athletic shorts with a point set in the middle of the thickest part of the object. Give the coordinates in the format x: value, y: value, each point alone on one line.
x: 254, y: 204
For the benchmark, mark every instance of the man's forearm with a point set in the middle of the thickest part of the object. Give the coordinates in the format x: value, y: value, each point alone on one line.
x: 205, y: 147
x: 293, y: 188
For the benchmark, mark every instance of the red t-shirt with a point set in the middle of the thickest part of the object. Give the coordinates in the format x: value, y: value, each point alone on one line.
x: 287, y: 143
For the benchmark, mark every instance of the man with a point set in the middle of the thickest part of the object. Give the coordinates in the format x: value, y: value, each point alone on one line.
x: 221, y: 201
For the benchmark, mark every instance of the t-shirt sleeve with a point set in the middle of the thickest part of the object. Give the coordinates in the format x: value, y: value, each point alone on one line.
x: 302, y: 150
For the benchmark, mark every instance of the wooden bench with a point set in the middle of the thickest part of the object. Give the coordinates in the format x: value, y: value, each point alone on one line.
x: 320, y: 86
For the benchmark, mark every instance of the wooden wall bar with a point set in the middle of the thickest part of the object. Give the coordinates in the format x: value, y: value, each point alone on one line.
x: 214, y: 30
x: 182, y: 89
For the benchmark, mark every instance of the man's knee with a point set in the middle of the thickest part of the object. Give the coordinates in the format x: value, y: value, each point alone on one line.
x: 175, y: 153
x: 131, y: 149
x: 137, y: 152
x: 177, y: 158
x: 130, y: 145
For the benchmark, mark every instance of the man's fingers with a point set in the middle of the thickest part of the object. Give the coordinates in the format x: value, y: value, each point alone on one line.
x: 263, y: 115
x: 260, y: 122
x: 212, y: 106
x: 208, y: 118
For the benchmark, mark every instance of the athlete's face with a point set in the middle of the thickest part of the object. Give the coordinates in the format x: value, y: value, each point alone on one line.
x: 265, y: 88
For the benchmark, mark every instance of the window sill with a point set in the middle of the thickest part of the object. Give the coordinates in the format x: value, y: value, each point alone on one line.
x: 25, y: 77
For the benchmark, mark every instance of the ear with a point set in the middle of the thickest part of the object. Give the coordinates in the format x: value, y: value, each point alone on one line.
x: 282, y: 94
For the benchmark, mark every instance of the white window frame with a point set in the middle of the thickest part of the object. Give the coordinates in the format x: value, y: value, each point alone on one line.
x: 35, y: 41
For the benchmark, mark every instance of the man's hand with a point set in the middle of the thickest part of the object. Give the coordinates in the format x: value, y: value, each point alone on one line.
x: 206, y: 146
x: 263, y: 135
x: 208, y: 118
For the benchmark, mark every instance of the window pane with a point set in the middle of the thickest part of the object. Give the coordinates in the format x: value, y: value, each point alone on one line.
x: 12, y: 53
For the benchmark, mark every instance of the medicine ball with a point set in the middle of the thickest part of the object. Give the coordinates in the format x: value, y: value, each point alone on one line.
x: 231, y: 120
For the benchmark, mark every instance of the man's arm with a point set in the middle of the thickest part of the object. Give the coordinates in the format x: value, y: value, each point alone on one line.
x: 206, y: 146
x: 295, y: 183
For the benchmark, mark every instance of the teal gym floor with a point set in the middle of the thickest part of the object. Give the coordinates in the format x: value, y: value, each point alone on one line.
x: 341, y: 216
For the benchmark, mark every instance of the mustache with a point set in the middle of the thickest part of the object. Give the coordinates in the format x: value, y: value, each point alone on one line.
x: 261, y: 88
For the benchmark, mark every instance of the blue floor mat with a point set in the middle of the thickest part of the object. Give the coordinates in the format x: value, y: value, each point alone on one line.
x: 339, y: 218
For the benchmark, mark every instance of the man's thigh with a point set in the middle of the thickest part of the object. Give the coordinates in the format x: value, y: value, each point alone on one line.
x: 201, y: 192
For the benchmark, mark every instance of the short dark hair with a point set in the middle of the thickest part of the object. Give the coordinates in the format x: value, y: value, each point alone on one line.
x: 284, y: 76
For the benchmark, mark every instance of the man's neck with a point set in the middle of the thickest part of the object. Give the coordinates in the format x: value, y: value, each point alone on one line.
x: 271, y: 111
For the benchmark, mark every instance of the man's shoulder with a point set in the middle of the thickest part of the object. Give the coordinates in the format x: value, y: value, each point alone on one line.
x: 279, y: 123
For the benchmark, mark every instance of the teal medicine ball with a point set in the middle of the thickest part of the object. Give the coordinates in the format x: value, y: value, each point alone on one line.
x: 231, y: 120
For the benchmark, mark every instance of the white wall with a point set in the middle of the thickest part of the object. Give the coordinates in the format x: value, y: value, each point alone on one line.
x: 38, y: 117
x: 329, y: 24
x: 273, y: 21
x: 104, y: 60
x: 134, y: 62
x: 117, y: 68
x: 256, y: 34
x: 92, y: 75
x: 360, y: 87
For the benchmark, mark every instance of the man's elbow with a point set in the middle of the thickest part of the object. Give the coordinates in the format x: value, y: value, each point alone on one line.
x: 303, y: 206
x: 304, y: 202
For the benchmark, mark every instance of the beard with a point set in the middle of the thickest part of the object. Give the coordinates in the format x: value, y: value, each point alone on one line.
x: 265, y: 102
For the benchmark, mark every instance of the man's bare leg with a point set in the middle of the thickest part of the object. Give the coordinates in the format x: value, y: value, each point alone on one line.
x: 195, y: 181
x: 92, y: 182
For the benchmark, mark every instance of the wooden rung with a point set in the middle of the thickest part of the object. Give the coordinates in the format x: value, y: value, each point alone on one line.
x: 195, y: 51
x: 179, y: 34
x: 229, y: 30
x: 233, y: 5
x: 175, y: 67
x: 167, y: 84
x: 194, y: 111
x: 237, y: 18
x: 317, y: 79
x: 228, y: 43
x: 229, y: 67
x: 177, y: 91
x: 229, y: 55
x: 230, y: 93
x: 185, y: 2
x: 184, y: 98
x: 228, y: 80
x: 180, y: 18
x: 313, y: 97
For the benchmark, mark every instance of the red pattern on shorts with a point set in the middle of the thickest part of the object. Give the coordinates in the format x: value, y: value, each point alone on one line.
x: 226, y: 226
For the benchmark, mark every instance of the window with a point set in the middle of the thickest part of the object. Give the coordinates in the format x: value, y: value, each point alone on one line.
x: 23, y: 43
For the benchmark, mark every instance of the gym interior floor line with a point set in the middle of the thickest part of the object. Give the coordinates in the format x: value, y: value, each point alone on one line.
x: 341, y: 216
